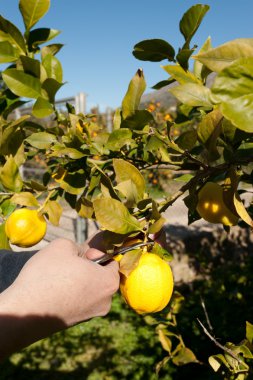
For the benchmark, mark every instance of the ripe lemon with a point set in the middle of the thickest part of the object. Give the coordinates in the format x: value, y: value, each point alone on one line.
x: 211, y: 206
x: 149, y: 287
x: 25, y: 227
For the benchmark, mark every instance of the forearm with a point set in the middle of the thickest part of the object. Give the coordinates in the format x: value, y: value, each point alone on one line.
x: 22, y: 322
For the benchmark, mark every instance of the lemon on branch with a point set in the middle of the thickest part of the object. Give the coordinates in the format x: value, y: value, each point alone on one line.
x: 149, y: 286
x: 211, y: 206
x: 25, y: 227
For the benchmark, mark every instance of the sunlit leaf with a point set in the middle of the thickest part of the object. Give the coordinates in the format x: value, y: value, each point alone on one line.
x: 41, y: 140
x: 184, y: 356
x: 125, y: 171
x: 192, y: 94
x: 41, y: 35
x: 118, y: 138
x: 241, y: 210
x: 157, y: 226
x: 42, y: 108
x: 249, y: 331
x: 25, y: 199
x: 199, y: 69
x: 4, y: 242
x: 8, y: 53
x: 9, y: 175
x: 165, y: 340
x: 112, y: 215
x: 133, y: 95
x: 53, y: 67
x: 33, y: 10
x: 218, y: 58
x: 240, y: 112
x: 130, y: 261
x: 209, y: 130
x: 84, y: 207
x: 180, y: 75
x: 12, y: 34
x: 22, y: 84
x: 54, y: 211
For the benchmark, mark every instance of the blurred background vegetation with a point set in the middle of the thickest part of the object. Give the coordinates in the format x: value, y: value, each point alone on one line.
x: 126, y: 346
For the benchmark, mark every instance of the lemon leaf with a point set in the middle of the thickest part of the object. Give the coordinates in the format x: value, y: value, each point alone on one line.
x: 114, y: 216
x: 130, y: 261
x: 25, y: 199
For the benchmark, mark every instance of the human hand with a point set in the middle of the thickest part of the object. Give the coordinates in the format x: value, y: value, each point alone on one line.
x: 58, y: 287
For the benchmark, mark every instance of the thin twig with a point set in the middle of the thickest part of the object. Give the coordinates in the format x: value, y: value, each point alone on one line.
x: 206, y: 314
x: 223, y: 348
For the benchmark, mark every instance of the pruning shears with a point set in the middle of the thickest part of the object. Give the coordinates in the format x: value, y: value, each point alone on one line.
x: 121, y: 251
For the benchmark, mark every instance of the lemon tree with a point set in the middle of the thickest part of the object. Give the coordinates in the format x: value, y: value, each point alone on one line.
x: 101, y: 175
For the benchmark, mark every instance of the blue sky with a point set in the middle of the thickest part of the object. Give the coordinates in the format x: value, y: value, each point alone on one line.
x: 99, y: 37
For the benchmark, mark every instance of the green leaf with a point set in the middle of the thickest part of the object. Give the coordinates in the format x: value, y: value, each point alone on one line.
x: 53, y: 67
x: 113, y: 216
x: 63, y: 151
x: 157, y: 226
x: 187, y: 140
x: 50, y: 49
x: 216, y: 361
x: 138, y: 120
x: 199, y: 69
x: 84, y: 208
x: 25, y: 199
x: 249, y: 332
x: 41, y: 140
x: 117, y: 119
x: 118, y: 138
x: 162, y: 84
x: 125, y: 171
x: 130, y: 261
x: 30, y: 66
x: 191, y: 21
x: 183, y: 57
x: 233, y: 88
x: 9, y: 175
x: 184, y: 356
x: 129, y: 191
x: 51, y: 86
x: 12, y: 34
x: 154, y: 50
x: 4, y: 242
x: 219, y: 58
x: 240, y: 112
x: 73, y: 183
x: 41, y: 35
x: 133, y: 95
x: 22, y: 84
x: 165, y: 340
x: 180, y: 75
x: 32, y: 11
x: 8, y: 53
x: 54, y: 211
x: 192, y: 94
x: 241, y: 210
x: 42, y: 108
x: 208, y: 131
x: 234, y: 81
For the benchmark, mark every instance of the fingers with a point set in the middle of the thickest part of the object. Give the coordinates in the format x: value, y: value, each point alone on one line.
x: 93, y: 254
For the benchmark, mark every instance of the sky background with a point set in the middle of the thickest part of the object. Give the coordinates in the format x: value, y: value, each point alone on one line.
x: 99, y: 37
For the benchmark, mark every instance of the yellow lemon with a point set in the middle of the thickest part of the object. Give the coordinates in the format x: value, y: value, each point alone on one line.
x: 211, y: 206
x: 149, y: 287
x: 25, y: 227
